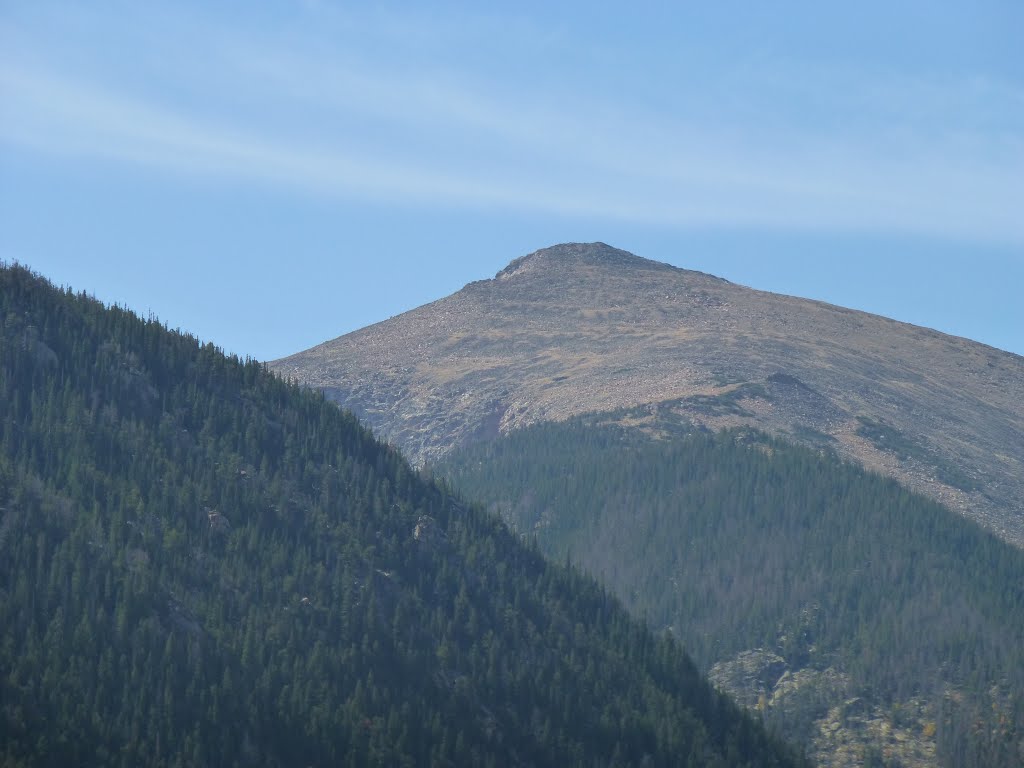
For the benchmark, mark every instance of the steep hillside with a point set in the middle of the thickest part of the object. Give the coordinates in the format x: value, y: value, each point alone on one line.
x: 855, y: 615
x: 203, y: 565
x: 587, y: 328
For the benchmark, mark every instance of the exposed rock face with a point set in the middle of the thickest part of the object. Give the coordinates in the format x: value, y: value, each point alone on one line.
x: 585, y: 327
x: 218, y: 523
x: 843, y: 728
x: 429, y: 533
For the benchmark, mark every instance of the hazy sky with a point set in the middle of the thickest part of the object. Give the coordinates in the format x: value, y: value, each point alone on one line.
x: 270, y: 175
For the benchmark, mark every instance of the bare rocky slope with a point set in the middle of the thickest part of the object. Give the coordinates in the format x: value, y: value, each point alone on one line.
x: 580, y: 328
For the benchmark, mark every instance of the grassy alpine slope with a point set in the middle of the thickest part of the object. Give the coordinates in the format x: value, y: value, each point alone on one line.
x: 585, y: 328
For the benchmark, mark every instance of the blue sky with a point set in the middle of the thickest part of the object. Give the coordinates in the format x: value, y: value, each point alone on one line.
x: 271, y: 175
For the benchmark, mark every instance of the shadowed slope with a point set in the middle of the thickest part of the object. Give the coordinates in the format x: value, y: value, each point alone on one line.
x: 203, y: 565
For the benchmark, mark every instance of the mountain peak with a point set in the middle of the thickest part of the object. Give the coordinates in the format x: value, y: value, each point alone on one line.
x: 565, y: 255
x: 584, y: 327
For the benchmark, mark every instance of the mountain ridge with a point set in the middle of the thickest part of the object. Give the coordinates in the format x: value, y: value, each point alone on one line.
x: 579, y: 328
x: 596, y: 253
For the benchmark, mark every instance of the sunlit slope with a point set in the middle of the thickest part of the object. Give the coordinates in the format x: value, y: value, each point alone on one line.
x: 587, y: 328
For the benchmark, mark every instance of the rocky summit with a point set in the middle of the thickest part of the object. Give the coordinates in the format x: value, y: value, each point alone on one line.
x: 580, y: 328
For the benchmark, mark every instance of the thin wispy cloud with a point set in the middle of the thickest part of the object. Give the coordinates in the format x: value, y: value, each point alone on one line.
x: 395, y: 126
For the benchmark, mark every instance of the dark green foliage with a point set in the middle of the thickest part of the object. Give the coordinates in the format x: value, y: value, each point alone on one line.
x: 201, y: 564
x: 738, y: 541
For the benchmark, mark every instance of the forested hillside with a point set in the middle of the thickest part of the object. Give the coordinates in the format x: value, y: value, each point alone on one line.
x: 804, y: 582
x: 201, y: 564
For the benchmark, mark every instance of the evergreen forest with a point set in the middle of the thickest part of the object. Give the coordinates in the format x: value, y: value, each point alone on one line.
x: 202, y: 564
x: 737, y: 541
